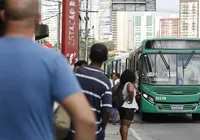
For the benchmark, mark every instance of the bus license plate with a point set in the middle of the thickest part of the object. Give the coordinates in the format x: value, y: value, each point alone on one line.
x: 177, y: 107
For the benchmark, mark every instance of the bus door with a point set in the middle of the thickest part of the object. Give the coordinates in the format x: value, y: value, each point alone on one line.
x: 118, y: 66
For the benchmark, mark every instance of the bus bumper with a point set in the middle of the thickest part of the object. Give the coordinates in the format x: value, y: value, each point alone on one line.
x: 147, y: 107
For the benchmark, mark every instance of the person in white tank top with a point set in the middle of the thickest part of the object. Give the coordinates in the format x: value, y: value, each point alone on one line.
x: 127, y: 110
x: 127, y: 104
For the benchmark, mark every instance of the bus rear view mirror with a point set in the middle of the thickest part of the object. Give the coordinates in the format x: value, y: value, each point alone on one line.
x: 42, y: 32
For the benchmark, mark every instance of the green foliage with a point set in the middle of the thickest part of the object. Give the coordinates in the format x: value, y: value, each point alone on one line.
x: 111, y: 45
x: 111, y: 55
x: 55, y: 45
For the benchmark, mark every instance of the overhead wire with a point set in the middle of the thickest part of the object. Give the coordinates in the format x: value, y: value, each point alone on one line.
x: 51, y: 17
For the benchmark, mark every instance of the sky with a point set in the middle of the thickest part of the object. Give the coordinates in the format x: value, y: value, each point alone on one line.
x: 164, y: 8
x: 172, y: 5
x: 169, y: 5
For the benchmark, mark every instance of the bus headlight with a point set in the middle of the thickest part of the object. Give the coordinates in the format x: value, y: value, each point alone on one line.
x: 149, y: 98
x: 145, y: 95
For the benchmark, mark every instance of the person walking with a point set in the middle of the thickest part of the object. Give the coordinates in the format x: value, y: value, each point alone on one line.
x: 97, y: 89
x: 115, y: 113
x: 32, y: 78
x: 78, y: 64
x: 127, y: 110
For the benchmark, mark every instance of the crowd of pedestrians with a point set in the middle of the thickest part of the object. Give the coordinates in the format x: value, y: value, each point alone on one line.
x: 34, y: 77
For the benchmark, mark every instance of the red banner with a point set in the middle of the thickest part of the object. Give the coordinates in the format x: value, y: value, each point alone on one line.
x: 70, y: 27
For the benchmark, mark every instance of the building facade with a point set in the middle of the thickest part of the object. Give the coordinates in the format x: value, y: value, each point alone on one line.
x: 189, y: 18
x: 114, y: 27
x: 122, y: 31
x: 105, y: 20
x: 169, y: 27
x: 143, y: 28
x: 50, y: 17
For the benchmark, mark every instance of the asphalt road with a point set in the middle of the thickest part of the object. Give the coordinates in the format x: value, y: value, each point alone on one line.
x: 166, y: 128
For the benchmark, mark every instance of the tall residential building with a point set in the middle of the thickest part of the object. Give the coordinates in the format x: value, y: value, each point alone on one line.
x: 169, y: 27
x: 143, y: 28
x: 105, y: 20
x: 122, y: 31
x: 130, y: 35
x: 189, y: 16
x: 50, y: 17
x: 114, y: 27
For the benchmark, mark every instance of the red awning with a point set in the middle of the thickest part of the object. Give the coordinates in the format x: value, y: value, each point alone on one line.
x: 48, y: 45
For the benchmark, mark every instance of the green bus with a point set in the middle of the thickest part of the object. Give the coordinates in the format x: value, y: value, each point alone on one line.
x: 116, y: 64
x: 168, y: 72
x: 168, y: 75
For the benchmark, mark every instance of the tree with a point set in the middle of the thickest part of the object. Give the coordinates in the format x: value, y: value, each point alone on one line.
x: 111, y: 55
x: 111, y: 45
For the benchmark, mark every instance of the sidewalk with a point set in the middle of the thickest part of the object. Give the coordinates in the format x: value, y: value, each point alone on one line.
x: 112, y: 133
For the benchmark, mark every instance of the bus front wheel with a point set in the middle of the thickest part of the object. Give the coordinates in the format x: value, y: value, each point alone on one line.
x: 195, y: 117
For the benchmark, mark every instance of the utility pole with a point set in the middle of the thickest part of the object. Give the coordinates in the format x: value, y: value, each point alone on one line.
x: 58, y: 32
x: 86, y: 31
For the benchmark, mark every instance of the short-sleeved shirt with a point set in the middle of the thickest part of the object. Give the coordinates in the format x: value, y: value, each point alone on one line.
x: 32, y: 77
x: 97, y: 88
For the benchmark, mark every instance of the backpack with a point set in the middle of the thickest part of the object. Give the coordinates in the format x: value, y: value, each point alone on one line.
x: 117, y: 97
x: 61, y: 123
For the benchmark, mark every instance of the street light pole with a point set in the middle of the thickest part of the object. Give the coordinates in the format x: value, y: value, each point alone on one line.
x: 86, y: 31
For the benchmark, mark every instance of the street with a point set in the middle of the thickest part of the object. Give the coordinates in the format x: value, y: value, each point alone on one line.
x: 159, y: 128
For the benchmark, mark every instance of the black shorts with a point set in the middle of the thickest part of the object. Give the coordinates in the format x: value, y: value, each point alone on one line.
x: 126, y: 113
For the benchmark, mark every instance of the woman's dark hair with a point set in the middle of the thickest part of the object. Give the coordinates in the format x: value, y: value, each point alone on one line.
x: 127, y: 76
x: 118, y: 75
x: 111, y: 75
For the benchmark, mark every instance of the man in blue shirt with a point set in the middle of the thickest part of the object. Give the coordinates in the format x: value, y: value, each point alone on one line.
x: 97, y: 89
x: 32, y: 77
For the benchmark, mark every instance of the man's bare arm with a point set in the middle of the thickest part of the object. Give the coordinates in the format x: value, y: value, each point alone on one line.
x: 105, y: 118
x: 82, y: 116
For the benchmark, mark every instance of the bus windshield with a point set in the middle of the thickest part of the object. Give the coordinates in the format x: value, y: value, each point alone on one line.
x: 171, y: 69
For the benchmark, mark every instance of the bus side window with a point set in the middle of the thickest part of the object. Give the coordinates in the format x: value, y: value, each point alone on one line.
x: 134, y: 65
x: 105, y: 68
x: 119, y: 66
x: 127, y: 63
x: 116, y: 66
x: 112, y: 66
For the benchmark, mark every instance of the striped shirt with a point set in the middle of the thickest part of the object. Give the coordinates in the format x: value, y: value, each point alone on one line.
x: 97, y: 89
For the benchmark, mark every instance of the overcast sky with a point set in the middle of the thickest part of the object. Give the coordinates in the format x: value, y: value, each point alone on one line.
x: 169, y: 5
